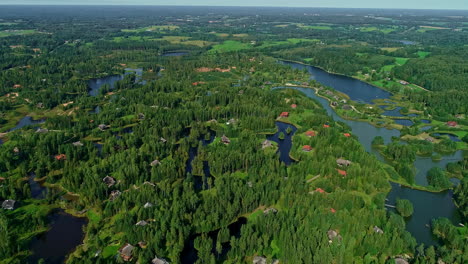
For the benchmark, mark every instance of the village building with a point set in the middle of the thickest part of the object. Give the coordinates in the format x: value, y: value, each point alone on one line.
x: 16, y: 150
x: 126, y: 252
x: 103, y: 127
x: 306, y: 148
x: 333, y: 235
x: 266, y: 144
x: 8, y: 204
x: 143, y: 244
x: 320, y: 190
x: 346, y: 107
x: 343, y: 162
x: 294, y: 106
x: 78, y: 144
x: 284, y: 114
x: 231, y: 121
x: 328, y: 92
x: 155, y: 162
x: 378, y: 230
x: 61, y: 157
x: 42, y: 130
x: 148, y: 205
x: 430, y: 139
x: 332, y: 210
x: 141, y: 223
x: 225, y: 140
x: 452, y: 124
x: 401, y: 261
x: 334, y: 103
x: 270, y: 210
x: 263, y: 260
x: 114, y: 195
x: 141, y: 116
x: 40, y: 105
x: 109, y: 181
x: 163, y: 140
x: 347, y: 134
x: 326, y: 126
x: 310, y: 133
x: 16, y: 86
x: 157, y: 260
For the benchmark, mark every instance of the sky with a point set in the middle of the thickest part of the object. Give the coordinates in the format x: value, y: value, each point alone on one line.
x: 404, y: 4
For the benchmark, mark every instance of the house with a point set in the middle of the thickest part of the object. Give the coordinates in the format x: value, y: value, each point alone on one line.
x: 141, y: 116
x: 103, y: 127
x: 126, y: 252
x: 430, y: 139
x: 403, y: 82
x: 401, y: 261
x: 333, y: 235
x: 163, y: 140
x: 378, y: 230
x: 294, y: 106
x: 266, y: 144
x: 343, y: 162
x: 346, y: 107
x: 114, y: 195
x: 148, y: 205
x: 270, y: 210
x: 16, y: 150
x: 452, y: 124
x: 16, y: 86
x: 109, y: 181
x: 332, y: 210
x: 78, y: 144
x: 142, y: 244
x: 8, y: 204
x: 42, y: 130
x: 342, y: 172
x: 157, y: 260
x: 334, y: 103
x: 326, y: 126
x: 263, y: 260
x: 347, y: 134
x: 320, y: 190
x: 225, y: 140
x: 141, y: 223
x: 61, y: 157
x: 155, y: 162
x: 306, y: 148
x: 310, y: 133
x: 284, y: 114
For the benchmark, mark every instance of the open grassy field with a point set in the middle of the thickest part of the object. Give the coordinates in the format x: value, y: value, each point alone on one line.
x: 372, y: 29
x: 315, y: 27
x: 423, y: 29
x: 401, y: 61
x: 152, y: 28
x: 172, y: 39
x: 8, y: 33
x: 267, y: 44
x: 230, y: 45
x: 390, y: 49
x: 423, y: 54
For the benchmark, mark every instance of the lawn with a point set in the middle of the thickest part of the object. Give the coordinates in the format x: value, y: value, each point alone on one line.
x: 401, y: 61
x: 289, y: 41
x: 8, y: 33
x: 316, y: 27
x: 423, y: 54
x: 230, y: 45
x: 372, y: 29
x: 152, y: 28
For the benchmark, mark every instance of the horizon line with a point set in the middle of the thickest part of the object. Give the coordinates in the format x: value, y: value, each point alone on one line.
x: 325, y: 7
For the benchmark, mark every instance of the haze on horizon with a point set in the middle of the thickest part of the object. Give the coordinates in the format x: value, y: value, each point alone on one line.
x: 396, y: 4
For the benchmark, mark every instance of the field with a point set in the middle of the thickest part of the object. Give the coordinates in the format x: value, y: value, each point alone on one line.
x: 8, y: 33
x: 267, y: 44
x: 152, y: 28
x: 316, y: 27
x: 172, y: 39
x: 423, y: 54
x: 230, y: 45
x: 372, y: 29
x: 423, y: 29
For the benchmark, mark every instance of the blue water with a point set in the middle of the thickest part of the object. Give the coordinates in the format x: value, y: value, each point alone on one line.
x: 284, y: 145
x: 451, y: 136
x: 27, y: 121
x: 404, y: 122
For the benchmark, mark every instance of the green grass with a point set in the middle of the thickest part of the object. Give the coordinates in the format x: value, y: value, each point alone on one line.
x: 372, y: 29
x: 423, y: 54
x: 401, y: 61
x: 254, y: 215
x: 289, y: 41
x: 315, y: 27
x: 93, y: 216
x: 8, y: 23
x: 110, y: 251
x: 17, y: 32
x: 230, y: 45
x: 152, y: 28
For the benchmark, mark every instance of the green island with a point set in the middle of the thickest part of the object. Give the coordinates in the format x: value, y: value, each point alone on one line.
x: 177, y: 135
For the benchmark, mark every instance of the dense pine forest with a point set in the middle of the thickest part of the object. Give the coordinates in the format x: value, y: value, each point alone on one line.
x: 170, y: 135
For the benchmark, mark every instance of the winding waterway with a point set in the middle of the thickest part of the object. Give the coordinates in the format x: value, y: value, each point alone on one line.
x: 427, y: 206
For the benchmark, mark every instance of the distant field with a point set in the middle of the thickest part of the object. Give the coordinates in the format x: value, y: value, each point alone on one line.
x: 423, y: 54
x: 316, y: 27
x: 371, y: 29
x: 152, y: 28
x: 172, y: 39
x: 230, y: 45
x: 8, y: 23
x: 390, y: 49
x: 267, y: 44
x: 423, y: 29
x: 240, y: 35
x: 401, y: 61
x: 17, y: 32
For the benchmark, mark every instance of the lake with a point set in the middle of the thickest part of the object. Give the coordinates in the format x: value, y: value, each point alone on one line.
x: 27, y: 121
x: 284, y: 145
x: 96, y: 83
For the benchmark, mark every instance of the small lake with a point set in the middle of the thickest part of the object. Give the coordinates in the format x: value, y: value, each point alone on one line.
x: 450, y: 136
x: 404, y: 122
x: 441, y: 204
x: 27, y: 121
x: 425, y: 128
x: 200, y: 182
x: 396, y: 113
x: 424, y: 164
x: 284, y: 145
x: 357, y: 90
x: 95, y: 84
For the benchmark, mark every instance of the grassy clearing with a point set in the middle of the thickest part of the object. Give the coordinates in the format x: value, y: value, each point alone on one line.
x: 172, y: 39
x: 230, y: 45
x: 423, y: 54
x: 423, y: 29
x: 152, y: 29
x: 390, y: 49
x: 289, y: 41
x: 240, y: 35
x: 401, y: 61
x: 315, y: 27
x: 8, y: 33
x: 372, y: 29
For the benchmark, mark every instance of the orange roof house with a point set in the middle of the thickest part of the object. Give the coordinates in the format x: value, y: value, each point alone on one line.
x: 61, y: 157
x: 284, y: 114
x: 342, y: 172
x: 326, y: 126
x: 310, y: 133
x: 17, y: 86
x: 332, y: 210
x: 307, y: 148
x: 294, y: 106
x: 320, y: 190
x: 347, y: 134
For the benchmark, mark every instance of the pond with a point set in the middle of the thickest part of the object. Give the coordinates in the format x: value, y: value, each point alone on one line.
x: 357, y: 90
x: 425, y: 128
x: 27, y: 121
x: 424, y: 164
x: 96, y: 83
x: 441, y: 203
x: 284, y: 145
x: 200, y: 182
x: 450, y: 136
x: 64, y: 235
x: 404, y: 122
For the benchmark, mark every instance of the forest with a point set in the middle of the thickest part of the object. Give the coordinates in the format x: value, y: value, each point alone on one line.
x: 155, y: 129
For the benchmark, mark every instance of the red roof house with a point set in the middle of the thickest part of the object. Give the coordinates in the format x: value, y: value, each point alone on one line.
x: 310, y: 133
x: 284, y: 114
x: 307, y: 148
x: 17, y: 86
x: 332, y: 210
x: 320, y: 190
x: 61, y: 157
x: 326, y: 126
x: 452, y: 124
x: 347, y: 134
x: 294, y: 106
x: 342, y: 172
